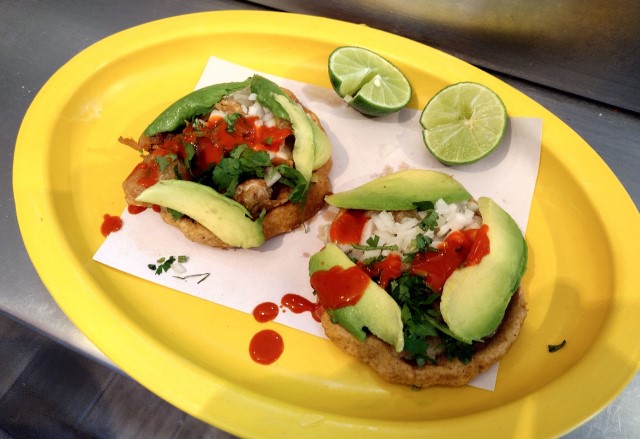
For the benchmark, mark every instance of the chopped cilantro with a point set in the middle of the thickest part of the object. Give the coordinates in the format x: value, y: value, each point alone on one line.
x: 430, y: 221
x: 242, y: 162
x: 457, y: 349
x: 372, y: 244
x: 163, y: 264
x: 556, y: 347
x: 421, y: 319
x: 423, y: 205
x: 294, y: 179
x: 174, y: 214
x: 231, y: 119
x: 176, y: 170
x: 164, y: 160
x: 423, y: 243
x: 190, y: 152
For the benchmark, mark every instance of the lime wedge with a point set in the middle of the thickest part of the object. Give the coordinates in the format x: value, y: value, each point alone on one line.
x: 368, y: 82
x: 463, y: 123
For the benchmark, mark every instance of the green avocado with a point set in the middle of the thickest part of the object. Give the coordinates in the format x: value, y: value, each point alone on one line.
x: 196, y: 103
x: 322, y: 146
x: 400, y: 191
x: 228, y: 220
x: 304, y: 146
x: 266, y: 91
x: 474, y: 298
x: 376, y: 310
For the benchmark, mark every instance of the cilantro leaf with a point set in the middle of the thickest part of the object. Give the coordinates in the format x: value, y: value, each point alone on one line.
x: 189, y: 152
x: 421, y: 318
x: 226, y: 176
x: 556, y: 347
x: 372, y: 244
x: 423, y: 242
x: 242, y: 163
x: 295, y: 180
x: 164, y: 160
x: 231, y: 119
x: 175, y: 214
x: 163, y: 264
x: 430, y: 221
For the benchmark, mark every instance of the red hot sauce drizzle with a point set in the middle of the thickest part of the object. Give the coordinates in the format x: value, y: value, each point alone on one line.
x: 135, y: 209
x: 460, y: 248
x: 265, y: 312
x: 298, y: 304
x: 339, y: 287
x: 266, y: 347
x: 347, y: 227
x: 110, y: 224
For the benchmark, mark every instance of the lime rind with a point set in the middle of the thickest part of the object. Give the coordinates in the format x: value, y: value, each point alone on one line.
x: 463, y: 123
x: 368, y: 82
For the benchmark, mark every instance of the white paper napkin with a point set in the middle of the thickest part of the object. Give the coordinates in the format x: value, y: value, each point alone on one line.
x: 363, y: 148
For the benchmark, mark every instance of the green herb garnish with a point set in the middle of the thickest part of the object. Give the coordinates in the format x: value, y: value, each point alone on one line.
x: 163, y: 264
x: 295, y: 180
x: 164, y: 160
x: 242, y: 162
x: 175, y: 214
x: 231, y: 120
x: 372, y: 244
x: 556, y: 347
x: 189, y: 152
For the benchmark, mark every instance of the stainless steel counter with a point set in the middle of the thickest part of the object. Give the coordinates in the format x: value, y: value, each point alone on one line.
x: 36, y: 38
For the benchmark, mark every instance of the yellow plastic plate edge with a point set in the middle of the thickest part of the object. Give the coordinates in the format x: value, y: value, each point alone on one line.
x: 241, y: 410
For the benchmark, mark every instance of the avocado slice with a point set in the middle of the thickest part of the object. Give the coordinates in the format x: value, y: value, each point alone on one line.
x: 474, y: 298
x: 266, y: 91
x: 304, y: 147
x: 322, y: 146
x: 227, y: 219
x: 376, y: 310
x: 196, y: 103
x: 400, y: 191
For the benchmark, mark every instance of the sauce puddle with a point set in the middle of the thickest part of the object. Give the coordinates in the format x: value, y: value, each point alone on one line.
x: 110, y: 224
x: 267, y: 345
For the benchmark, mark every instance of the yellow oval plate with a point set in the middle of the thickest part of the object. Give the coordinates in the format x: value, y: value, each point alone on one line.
x: 583, y: 232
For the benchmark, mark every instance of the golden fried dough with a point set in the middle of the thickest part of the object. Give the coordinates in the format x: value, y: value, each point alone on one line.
x: 383, y: 358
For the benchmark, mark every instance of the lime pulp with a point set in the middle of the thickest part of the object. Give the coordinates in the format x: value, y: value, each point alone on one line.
x: 463, y: 123
x: 368, y: 82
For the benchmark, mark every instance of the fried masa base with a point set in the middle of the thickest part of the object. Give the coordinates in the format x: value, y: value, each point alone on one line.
x: 383, y: 358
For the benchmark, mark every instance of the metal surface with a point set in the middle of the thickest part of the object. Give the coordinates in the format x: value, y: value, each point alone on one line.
x: 589, y: 48
x: 36, y: 38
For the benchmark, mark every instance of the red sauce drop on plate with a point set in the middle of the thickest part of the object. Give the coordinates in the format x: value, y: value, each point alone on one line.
x: 110, y: 224
x: 298, y: 304
x: 134, y: 210
x: 266, y: 346
x: 265, y: 312
x: 339, y: 287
